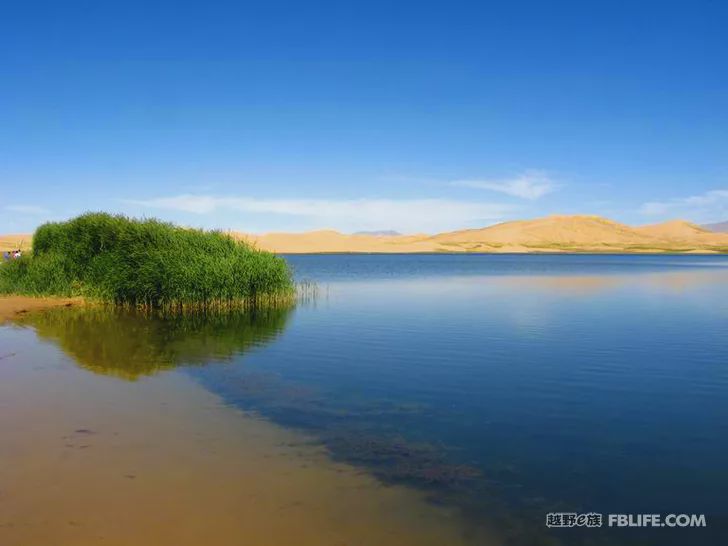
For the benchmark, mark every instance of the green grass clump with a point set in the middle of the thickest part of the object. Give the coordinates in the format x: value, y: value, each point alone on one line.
x: 146, y: 263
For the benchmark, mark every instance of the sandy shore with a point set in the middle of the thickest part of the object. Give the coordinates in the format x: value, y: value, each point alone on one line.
x: 12, y: 306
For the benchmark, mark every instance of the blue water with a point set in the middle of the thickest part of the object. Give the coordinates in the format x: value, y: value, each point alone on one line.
x: 503, y: 386
x: 537, y: 383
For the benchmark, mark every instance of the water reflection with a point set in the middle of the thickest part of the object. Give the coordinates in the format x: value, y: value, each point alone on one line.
x: 128, y: 344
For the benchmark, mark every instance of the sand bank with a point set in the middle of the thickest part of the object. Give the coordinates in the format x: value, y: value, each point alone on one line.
x: 12, y: 306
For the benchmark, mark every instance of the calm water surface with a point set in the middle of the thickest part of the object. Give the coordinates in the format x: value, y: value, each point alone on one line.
x: 502, y: 387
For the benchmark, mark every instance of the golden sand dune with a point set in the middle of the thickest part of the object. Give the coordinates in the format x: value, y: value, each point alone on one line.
x: 334, y: 241
x: 681, y: 230
x: 549, y: 234
x: 553, y: 231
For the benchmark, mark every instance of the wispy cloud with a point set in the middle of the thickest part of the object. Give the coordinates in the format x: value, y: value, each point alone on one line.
x: 26, y: 209
x: 528, y: 185
x: 405, y: 215
x: 704, y: 207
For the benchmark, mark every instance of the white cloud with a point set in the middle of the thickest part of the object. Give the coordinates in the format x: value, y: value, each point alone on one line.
x: 26, y: 209
x: 709, y: 206
x: 529, y: 185
x: 404, y: 215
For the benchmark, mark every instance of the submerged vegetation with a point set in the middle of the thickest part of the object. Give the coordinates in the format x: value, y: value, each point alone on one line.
x: 146, y: 263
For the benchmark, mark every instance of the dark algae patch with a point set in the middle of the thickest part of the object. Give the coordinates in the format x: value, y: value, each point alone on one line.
x: 397, y: 459
x: 146, y: 263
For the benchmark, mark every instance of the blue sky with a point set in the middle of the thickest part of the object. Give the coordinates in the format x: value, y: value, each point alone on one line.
x: 414, y: 116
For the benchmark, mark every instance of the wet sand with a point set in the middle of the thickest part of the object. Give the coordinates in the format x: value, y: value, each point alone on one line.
x: 12, y: 306
x: 89, y: 459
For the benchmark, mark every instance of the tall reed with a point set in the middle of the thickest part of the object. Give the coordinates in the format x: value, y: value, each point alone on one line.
x: 146, y: 263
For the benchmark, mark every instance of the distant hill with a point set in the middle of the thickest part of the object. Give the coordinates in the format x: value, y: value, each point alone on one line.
x: 550, y: 234
x: 379, y: 233
x: 334, y: 241
x: 720, y: 227
x: 674, y: 229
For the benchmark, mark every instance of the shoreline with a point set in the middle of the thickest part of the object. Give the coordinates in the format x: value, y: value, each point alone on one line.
x: 503, y: 253
x: 11, y: 306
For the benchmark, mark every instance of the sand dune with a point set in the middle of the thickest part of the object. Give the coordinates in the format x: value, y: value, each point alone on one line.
x: 545, y: 233
x: 334, y: 241
x: 549, y: 234
x: 677, y: 229
x: 686, y: 233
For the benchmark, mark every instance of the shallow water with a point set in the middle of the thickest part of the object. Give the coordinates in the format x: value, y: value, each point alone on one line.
x: 480, y: 391
x: 99, y: 454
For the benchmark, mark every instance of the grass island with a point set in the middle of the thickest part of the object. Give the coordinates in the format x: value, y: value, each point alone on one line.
x: 146, y: 264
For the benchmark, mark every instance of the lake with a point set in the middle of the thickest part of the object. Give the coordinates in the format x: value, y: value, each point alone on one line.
x: 416, y: 399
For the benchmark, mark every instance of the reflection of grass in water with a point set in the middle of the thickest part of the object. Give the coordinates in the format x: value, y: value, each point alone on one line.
x: 129, y: 344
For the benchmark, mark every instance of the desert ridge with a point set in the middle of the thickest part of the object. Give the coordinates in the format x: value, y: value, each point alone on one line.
x: 330, y: 241
x: 551, y: 234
